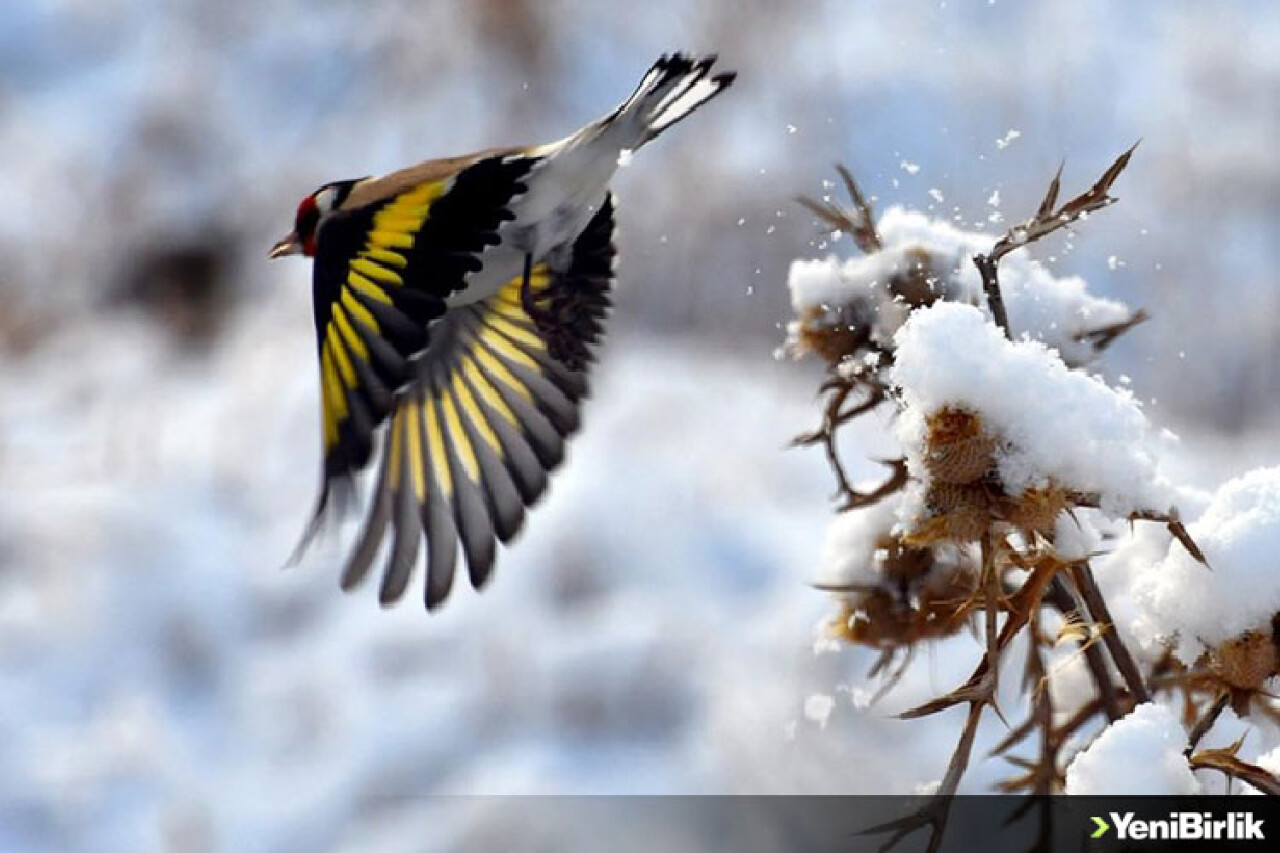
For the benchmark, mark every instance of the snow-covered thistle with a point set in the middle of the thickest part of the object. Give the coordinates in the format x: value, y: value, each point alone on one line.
x: 1016, y: 467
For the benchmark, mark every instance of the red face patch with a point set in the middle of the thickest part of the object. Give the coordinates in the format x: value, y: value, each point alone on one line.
x: 305, y: 224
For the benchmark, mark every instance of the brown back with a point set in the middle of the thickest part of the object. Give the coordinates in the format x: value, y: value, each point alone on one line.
x: 373, y: 190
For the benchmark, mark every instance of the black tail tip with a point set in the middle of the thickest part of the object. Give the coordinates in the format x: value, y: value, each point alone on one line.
x: 680, y: 61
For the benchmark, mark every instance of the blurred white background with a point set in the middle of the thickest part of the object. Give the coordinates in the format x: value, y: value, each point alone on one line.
x: 165, y: 685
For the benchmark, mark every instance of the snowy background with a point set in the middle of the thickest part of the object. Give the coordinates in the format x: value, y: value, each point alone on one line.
x: 165, y: 685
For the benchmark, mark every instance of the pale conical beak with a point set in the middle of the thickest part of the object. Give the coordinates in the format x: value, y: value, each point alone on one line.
x: 290, y: 245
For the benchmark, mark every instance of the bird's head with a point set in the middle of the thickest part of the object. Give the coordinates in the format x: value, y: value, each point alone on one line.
x: 312, y: 211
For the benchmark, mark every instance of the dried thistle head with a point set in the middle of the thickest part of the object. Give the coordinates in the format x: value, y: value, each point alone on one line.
x: 1238, y: 668
x: 964, y: 497
x: 958, y: 449
x: 833, y: 333
x: 882, y: 621
x: 913, y: 282
x: 903, y: 565
x: 1246, y: 661
x: 924, y: 596
x: 1036, y: 510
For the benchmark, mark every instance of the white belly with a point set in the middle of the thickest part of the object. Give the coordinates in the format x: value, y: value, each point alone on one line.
x: 565, y: 191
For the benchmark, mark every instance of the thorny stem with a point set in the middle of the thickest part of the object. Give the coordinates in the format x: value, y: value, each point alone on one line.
x: 979, y: 692
x: 1171, y: 521
x: 1225, y: 762
x: 1105, y: 336
x: 1042, y: 712
x: 1177, y: 529
x: 935, y: 813
x: 1060, y: 597
x: 987, y: 268
x: 1206, y: 721
x: 832, y: 419
x: 1020, y: 606
x: 1047, y: 219
x: 859, y: 221
x: 991, y: 580
x: 1101, y: 614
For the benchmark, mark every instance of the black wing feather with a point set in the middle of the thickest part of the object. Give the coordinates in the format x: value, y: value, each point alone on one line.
x: 382, y: 274
x: 493, y: 410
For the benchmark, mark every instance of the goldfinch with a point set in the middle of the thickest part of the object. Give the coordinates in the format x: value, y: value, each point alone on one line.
x: 456, y: 306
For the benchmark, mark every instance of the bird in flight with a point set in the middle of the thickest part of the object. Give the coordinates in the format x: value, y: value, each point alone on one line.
x: 456, y: 306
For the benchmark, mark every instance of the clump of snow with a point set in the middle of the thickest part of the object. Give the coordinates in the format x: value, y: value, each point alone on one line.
x: 1239, y: 532
x: 817, y: 283
x: 1048, y: 308
x: 850, y: 554
x: 818, y: 708
x: 1008, y: 138
x: 1140, y: 754
x: 1056, y: 424
x: 1268, y: 761
x: 1075, y: 538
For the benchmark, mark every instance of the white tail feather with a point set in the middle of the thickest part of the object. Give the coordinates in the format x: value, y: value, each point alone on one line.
x: 674, y: 87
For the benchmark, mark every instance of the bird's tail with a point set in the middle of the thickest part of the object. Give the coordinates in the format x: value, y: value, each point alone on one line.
x: 674, y: 87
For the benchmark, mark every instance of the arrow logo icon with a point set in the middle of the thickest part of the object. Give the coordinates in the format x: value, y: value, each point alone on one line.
x: 1102, y: 827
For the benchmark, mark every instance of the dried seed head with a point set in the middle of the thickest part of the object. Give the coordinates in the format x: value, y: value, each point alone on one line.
x: 1246, y: 661
x: 902, y: 563
x: 1037, y: 509
x: 833, y: 333
x: 962, y: 462
x: 957, y: 448
x: 957, y: 514
x: 914, y: 282
x: 887, y: 619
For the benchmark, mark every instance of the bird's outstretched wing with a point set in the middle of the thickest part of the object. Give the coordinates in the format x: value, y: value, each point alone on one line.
x: 483, y: 422
x: 382, y: 273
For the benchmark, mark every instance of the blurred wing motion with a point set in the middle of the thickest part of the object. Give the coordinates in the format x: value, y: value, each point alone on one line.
x: 484, y: 420
x: 382, y: 273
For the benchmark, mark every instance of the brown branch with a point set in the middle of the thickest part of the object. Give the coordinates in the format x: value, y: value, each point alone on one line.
x: 1092, y: 500
x: 858, y: 221
x: 1104, y: 336
x: 832, y: 419
x: 1021, y: 603
x: 1015, y: 736
x: 987, y: 268
x: 854, y: 499
x: 1101, y: 615
x: 935, y: 812
x: 1177, y: 529
x: 1226, y: 762
x: 1046, y: 220
x: 1076, y: 721
x: 979, y: 692
x: 991, y: 584
x: 1206, y: 721
x: 1043, y: 773
x: 1061, y: 598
